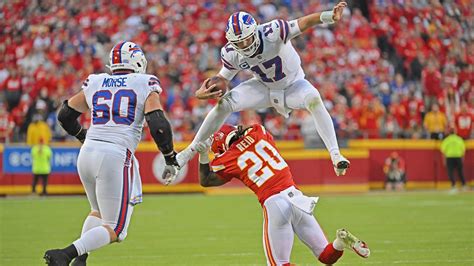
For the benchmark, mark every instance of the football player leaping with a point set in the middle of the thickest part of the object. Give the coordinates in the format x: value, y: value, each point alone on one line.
x: 279, y: 80
x: 250, y: 155
x: 119, y: 104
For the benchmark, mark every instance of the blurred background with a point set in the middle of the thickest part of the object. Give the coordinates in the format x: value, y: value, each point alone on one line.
x: 393, y: 75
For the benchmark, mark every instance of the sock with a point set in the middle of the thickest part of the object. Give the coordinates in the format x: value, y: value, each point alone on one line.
x: 330, y: 255
x: 90, y: 222
x: 338, y: 244
x: 324, y: 124
x: 213, y: 121
x: 93, y: 239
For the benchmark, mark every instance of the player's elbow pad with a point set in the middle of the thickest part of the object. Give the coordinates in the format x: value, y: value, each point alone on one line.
x: 67, y: 118
x: 160, y: 130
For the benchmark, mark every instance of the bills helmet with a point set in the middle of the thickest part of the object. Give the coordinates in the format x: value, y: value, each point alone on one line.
x: 127, y: 55
x: 242, y: 34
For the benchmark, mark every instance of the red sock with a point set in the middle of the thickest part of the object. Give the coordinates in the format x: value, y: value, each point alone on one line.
x: 330, y: 255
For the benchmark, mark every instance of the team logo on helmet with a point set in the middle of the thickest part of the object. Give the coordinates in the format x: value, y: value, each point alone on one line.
x: 248, y: 20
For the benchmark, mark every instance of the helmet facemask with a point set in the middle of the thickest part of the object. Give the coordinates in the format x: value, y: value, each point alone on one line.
x: 251, y: 48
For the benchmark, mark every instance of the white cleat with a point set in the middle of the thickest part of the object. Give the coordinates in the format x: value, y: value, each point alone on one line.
x: 352, y: 242
x: 341, y: 164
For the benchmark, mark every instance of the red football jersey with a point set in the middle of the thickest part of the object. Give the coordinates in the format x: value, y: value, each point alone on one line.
x: 255, y: 161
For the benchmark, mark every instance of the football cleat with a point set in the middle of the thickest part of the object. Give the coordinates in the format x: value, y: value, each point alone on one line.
x: 56, y: 257
x: 341, y: 164
x: 80, y: 261
x: 352, y: 242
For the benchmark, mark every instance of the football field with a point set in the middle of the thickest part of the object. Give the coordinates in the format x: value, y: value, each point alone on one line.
x: 412, y: 228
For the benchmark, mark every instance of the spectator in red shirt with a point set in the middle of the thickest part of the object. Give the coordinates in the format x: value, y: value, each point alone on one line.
x: 431, y: 80
x: 13, y: 89
x: 463, y: 121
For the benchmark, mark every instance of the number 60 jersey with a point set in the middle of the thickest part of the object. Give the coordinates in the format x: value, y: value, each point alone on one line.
x: 276, y: 62
x: 256, y: 162
x: 117, y: 104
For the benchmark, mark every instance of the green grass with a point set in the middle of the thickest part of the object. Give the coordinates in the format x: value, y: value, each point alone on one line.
x: 417, y: 228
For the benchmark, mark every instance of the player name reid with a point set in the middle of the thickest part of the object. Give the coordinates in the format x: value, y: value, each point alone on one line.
x: 245, y: 143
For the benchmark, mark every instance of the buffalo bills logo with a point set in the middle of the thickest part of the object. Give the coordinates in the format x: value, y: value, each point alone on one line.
x: 135, y: 49
x: 227, y: 27
x: 248, y: 20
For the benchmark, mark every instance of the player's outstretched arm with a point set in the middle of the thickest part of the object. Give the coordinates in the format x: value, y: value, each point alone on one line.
x: 160, y: 128
x: 70, y: 110
x: 208, y: 178
x: 327, y: 17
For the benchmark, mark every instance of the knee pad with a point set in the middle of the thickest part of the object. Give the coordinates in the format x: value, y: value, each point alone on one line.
x: 312, y: 100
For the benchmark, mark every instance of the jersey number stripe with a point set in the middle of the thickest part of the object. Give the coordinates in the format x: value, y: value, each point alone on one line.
x: 264, y: 153
x: 123, y: 107
x: 268, y: 64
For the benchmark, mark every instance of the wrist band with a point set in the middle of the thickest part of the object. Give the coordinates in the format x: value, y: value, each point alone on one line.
x: 326, y: 17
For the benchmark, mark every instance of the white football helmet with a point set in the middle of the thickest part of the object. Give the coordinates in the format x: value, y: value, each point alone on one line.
x: 127, y: 55
x: 241, y: 27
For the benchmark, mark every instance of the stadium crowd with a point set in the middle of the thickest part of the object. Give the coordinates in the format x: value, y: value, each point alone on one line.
x: 399, y: 69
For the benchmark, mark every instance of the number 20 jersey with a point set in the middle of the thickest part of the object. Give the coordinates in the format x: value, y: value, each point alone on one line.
x: 117, y: 104
x: 276, y: 62
x: 255, y: 160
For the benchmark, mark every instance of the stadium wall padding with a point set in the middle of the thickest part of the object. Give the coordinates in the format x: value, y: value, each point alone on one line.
x: 311, y: 169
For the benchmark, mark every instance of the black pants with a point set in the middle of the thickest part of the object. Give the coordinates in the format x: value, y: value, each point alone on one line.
x: 45, y: 182
x: 455, y: 164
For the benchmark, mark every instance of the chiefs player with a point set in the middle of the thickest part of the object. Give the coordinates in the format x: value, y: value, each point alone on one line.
x: 250, y: 155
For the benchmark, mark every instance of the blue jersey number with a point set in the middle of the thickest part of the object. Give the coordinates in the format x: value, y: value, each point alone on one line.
x: 268, y: 64
x: 101, y: 113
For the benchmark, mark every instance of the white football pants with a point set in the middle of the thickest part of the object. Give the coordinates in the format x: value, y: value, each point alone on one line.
x: 106, y: 172
x: 281, y: 220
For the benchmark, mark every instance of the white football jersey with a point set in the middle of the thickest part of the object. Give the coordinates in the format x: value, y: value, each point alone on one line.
x: 276, y: 62
x: 117, y: 104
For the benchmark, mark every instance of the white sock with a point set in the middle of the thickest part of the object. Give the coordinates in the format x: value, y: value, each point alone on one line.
x: 324, y: 124
x: 90, y: 222
x: 213, y: 121
x: 93, y: 239
x: 338, y: 244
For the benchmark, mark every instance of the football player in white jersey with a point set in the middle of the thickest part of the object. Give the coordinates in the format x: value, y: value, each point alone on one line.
x: 119, y: 104
x: 279, y: 80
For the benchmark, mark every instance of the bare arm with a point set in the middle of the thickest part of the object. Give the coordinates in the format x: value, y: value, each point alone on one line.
x: 78, y: 102
x: 207, y: 178
x: 152, y: 103
x: 314, y: 19
x: 68, y: 114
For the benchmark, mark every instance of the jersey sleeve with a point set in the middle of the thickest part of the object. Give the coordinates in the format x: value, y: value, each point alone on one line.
x: 281, y: 30
x: 154, y: 84
x: 223, y: 167
x: 229, y: 68
x: 86, y: 84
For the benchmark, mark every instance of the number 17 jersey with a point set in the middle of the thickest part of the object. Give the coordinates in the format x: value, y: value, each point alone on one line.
x: 275, y: 63
x: 255, y: 160
x: 117, y: 104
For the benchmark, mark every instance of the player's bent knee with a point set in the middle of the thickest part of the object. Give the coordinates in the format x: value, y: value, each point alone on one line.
x: 95, y: 214
x: 113, y: 236
x: 313, y: 100
x: 224, y: 106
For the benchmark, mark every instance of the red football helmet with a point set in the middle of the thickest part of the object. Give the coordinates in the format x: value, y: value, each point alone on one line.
x: 222, y: 138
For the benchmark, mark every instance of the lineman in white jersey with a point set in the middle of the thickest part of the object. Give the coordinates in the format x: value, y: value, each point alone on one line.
x: 278, y: 80
x: 119, y: 104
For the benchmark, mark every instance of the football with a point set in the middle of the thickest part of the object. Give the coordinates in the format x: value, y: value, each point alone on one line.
x: 221, y: 84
